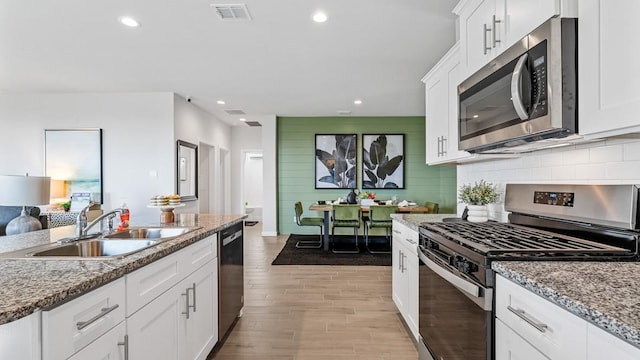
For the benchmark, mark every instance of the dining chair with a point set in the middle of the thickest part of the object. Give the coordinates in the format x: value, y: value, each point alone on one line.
x: 434, y: 208
x: 346, y: 216
x: 308, y: 221
x: 379, y: 217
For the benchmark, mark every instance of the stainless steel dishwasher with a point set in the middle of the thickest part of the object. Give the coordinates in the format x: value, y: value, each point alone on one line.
x: 230, y: 276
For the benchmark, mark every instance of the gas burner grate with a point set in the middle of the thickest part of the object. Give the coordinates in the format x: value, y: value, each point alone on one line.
x: 497, y: 238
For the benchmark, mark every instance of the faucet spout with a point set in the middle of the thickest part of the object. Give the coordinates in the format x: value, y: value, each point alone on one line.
x: 108, y: 215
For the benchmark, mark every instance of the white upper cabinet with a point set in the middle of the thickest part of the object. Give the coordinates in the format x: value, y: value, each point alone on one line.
x: 441, y: 118
x: 488, y: 27
x: 608, y: 50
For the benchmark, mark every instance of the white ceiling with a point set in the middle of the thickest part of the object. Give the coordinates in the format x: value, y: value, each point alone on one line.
x: 279, y: 63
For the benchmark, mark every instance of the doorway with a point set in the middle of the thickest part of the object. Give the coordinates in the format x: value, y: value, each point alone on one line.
x: 251, y: 184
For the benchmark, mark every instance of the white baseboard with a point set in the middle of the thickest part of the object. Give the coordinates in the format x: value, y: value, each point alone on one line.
x: 269, y: 233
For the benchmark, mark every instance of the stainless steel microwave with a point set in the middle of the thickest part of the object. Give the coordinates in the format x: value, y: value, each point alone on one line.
x: 528, y: 93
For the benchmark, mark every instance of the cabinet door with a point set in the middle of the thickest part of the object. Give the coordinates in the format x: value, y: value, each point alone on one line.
x: 519, y: 17
x: 437, y: 116
x: 412, y: 294
x: 154, y: 331
x: 110, y: 346
x: 607, y: 59
x: 399, y: 286
x: 602, y: 345
x: 510, y: 346
x: 476, y: 42
x: 201, y: 331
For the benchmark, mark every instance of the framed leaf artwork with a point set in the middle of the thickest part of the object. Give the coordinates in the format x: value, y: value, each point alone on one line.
x: 383, y: 161
x: 335, y: 159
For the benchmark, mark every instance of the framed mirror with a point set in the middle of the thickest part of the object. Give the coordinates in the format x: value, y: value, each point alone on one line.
x: 73, y: 160
x: 187, y: 171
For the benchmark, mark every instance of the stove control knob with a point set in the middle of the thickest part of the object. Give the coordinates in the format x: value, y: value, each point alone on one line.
x: 464, y: 267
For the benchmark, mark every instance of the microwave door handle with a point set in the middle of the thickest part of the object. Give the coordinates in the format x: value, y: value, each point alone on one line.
x: 516, y: 96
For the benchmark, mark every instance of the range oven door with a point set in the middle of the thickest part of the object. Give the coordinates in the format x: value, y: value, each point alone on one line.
x: 455, y: 313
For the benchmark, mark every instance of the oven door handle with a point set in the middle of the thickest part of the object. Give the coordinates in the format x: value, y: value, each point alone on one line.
x: 516, y: 96
x: 462, y: 284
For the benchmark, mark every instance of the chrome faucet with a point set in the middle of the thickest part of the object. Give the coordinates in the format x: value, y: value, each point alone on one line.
x: 82, y: 227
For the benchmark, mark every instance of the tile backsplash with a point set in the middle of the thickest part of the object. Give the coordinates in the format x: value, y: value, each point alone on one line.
x: 612, y: 161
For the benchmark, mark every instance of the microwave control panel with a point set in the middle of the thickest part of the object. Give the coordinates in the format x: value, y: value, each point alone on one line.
x: 553, y: 198
x: 538, y: 61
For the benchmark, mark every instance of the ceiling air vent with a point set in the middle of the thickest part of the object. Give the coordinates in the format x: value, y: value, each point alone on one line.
x: 253, y: 123
x: 235, y: 112
x: 232, y: 11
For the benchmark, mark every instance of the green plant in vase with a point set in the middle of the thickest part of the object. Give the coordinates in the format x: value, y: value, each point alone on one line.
x: 66, y: 206
x: 477, y: 197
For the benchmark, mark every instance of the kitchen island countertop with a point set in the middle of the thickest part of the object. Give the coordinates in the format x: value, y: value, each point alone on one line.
x: 606, y: 294
x: 30, y: 284
x: 413, y: 221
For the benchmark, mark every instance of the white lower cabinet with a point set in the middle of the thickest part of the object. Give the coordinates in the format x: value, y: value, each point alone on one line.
x: 510, y: 346
x: 72, y: 326
x: 405, y: 274
x: 529, y: 327
x: 110, y: 346
x: 179, y: 324
x: 201, y: 329
x: 602, y: 345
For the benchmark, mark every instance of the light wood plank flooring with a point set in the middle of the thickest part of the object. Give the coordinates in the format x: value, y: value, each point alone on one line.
x: 314, y: 312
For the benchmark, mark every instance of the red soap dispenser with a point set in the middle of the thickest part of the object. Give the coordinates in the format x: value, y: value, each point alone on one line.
x: 124, y: 218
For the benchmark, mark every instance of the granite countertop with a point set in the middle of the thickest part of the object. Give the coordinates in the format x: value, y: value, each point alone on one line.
x: 606, y: 294
x: 413, y: 221
x: 30, y: 284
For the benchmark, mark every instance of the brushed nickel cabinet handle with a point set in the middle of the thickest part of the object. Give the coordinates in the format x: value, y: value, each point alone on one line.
x: 186, y: 294
x: 125, y: 343
x: 495, y: 31
x: 484, y: 38
x: 104, y: 311
x: 542, y: 327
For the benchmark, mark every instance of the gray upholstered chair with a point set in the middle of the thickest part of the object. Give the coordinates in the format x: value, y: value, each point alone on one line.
x: 308, y: 221
x: 346, y: 216
x: 8, y: 213
x: 379, y: 217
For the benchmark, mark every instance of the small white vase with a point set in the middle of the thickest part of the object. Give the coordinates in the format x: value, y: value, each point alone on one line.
x: 478, y: 213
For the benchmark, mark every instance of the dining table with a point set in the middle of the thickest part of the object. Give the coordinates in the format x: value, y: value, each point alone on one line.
x: 327, y: 208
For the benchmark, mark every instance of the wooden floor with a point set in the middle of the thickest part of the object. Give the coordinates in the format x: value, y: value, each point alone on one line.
x: 314, y: 312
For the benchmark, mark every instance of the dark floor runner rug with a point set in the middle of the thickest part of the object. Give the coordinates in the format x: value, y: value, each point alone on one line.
x: 290, y: 255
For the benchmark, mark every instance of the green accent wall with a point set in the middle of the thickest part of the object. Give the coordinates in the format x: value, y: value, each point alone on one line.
x: 296, y: 165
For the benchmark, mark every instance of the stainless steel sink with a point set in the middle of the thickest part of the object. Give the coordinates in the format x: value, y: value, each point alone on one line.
x: 97, y: 248
x: 150, y: 233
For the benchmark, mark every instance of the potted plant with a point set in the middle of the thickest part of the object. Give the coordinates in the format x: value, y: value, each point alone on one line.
x: 477, y: 196
x: 66, y: 206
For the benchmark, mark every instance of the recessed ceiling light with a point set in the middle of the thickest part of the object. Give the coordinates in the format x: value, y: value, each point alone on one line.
x: 357, y: 102
x: 243, y: 119
x: 129, y: 21
x: 220, y: 102
x: 475, y: 116
x: 319, y: 17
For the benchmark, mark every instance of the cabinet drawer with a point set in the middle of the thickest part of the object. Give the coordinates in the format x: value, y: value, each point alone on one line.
x: 406, y: 237
x: 70, y: 327
x: 109, y: 346
x: 199, y: 253
x: 149, y: 282
x: 510, y: 346
x: 520, y: 309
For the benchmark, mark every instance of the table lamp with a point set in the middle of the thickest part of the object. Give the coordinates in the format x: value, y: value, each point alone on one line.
x: 24, y: 191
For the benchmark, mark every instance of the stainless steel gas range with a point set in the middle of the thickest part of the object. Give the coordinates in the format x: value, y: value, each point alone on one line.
x: 547, y: 222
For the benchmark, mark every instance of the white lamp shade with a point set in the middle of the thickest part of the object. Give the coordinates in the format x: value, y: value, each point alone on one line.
x: 24, y: 190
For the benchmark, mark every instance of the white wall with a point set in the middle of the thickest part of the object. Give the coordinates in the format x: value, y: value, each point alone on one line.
x: 194, y: 125
x: 138, y: 139
x: 243, y: 137
x: 614, y: 161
